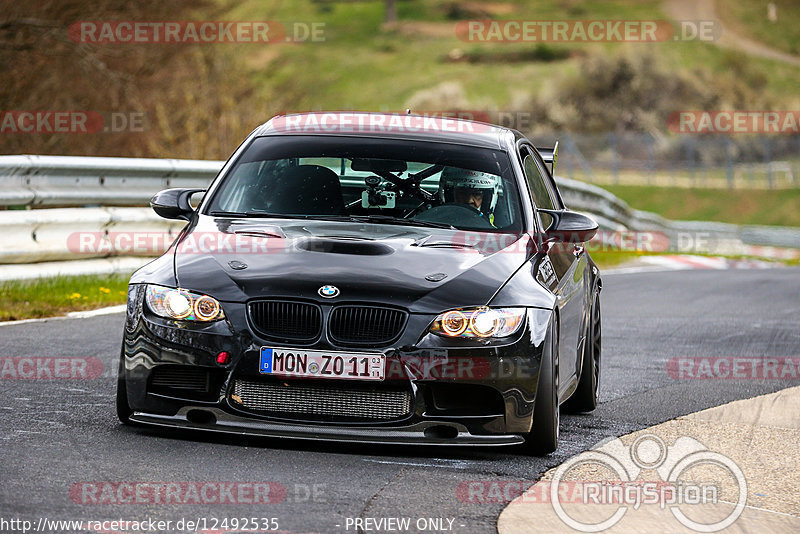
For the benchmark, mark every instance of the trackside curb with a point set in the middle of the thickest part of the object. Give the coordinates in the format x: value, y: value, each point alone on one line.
x: 758, y: 437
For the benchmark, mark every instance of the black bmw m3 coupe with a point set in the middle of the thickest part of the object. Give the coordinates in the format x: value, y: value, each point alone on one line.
x: 369, y: 277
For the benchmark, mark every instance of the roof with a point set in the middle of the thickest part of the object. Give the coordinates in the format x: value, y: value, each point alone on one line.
x: 389, y: 125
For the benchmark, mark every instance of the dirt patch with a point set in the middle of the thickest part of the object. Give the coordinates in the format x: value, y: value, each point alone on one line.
x: 427, y: 29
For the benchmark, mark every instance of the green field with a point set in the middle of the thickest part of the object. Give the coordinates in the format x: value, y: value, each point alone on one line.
x: 772, y: 207
x: 750, y: 18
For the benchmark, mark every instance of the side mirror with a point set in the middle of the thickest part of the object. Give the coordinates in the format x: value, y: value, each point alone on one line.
x: 569, y: 226
x: 174, y: 203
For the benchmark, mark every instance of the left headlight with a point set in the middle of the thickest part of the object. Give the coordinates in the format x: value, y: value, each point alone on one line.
x: 181, y: 304
x: 481, y: 322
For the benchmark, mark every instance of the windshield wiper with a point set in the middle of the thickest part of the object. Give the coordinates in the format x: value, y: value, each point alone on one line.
x: 254, y: 213
x: 376, y: 219
x: 394, y: 220
x: 387, y: 219
x: 429, y: 224
x: 221, y: 213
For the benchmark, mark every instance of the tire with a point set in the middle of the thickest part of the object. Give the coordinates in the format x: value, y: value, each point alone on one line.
x: 543, y: 437
x: 124, y: 411
x: 585, y: 397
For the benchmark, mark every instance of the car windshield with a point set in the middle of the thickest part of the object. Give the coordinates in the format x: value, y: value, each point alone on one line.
x: 386, y: 181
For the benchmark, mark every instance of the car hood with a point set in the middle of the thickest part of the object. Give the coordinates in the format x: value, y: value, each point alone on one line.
x: 421, y: 269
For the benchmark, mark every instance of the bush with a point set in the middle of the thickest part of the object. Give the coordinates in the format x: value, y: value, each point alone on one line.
x: 629, y: 92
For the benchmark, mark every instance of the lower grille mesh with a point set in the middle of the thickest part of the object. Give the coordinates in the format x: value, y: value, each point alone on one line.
x: 335, y: 401
x: 183, y: 377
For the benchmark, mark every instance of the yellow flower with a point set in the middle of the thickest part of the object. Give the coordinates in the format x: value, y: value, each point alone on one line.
x: 104, y: 290
x: 75, y: 296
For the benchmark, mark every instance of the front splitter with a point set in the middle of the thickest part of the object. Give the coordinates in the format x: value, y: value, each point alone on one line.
x: 423, y: 433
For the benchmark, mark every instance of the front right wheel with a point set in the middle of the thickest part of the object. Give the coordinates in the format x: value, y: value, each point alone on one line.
x: 124, y: 411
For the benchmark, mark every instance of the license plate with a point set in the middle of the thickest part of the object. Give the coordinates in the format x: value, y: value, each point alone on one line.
x: 321, y: 364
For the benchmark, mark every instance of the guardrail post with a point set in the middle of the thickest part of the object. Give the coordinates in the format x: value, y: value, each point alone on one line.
x: 612, y: 139
x: 729, y: 162
x: 768, y: 161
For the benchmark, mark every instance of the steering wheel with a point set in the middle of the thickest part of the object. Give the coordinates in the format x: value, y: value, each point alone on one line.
x: 455, y: 215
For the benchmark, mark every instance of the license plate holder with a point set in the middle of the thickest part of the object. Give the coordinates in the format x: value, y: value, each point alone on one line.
x: 305, y: 363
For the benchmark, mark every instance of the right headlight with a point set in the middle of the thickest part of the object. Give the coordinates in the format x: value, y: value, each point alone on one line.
x: 483, y: 322
x: 184, y: 305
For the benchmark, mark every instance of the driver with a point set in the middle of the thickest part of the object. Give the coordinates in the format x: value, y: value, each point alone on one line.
x: 479, y: 190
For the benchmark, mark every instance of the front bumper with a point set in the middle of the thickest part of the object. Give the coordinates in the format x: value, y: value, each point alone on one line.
x: 490, y: 404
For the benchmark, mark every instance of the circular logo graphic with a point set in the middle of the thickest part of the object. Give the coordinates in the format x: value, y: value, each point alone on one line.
x: 328, y: 292
x: 672, y: 465
x: 648, y: 451
x: 313, y: 367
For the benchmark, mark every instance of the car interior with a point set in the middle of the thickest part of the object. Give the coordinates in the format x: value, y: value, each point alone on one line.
x: 342, y: 186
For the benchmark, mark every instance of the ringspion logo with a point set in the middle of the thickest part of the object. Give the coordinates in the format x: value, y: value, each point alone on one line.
x: 675, y: 487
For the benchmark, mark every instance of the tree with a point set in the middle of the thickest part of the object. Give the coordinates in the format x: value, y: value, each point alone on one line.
x: 391, y: 11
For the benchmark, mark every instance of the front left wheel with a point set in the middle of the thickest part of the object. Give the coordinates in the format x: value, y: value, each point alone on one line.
x: 543, y: 437
x: 585, y: 397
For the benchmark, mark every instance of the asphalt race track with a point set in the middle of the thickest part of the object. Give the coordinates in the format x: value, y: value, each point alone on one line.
x: 57, y: 434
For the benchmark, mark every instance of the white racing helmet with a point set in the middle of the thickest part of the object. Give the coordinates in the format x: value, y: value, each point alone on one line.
x: 453, y: 178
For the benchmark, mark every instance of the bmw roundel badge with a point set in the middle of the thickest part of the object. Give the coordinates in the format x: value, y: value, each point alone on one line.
x: 328, y: 292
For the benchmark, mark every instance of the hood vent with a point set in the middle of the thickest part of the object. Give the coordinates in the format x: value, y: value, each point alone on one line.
x: 349, y: 246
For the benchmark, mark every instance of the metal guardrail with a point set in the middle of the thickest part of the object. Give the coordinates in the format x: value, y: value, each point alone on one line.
x: 684, y: 236
x: 77, y: 181
x: 89, y: 186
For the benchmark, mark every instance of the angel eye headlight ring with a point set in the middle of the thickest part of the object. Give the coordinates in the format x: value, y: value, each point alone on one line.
x: 206, y: 308
x: 178, y: 305
x: 484, y: 322
x: 454, y: 323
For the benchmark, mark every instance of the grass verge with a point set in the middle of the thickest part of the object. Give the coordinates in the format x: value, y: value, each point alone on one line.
x: 771, y: 207
x: 49, y: 297
x: 607, y: 259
